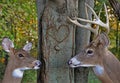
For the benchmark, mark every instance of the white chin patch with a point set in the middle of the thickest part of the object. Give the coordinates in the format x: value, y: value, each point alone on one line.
x: 76, y: 63
x: 87, y: 65
x: 18, y: 73
x: 36, y: 67
x: 81, y: 65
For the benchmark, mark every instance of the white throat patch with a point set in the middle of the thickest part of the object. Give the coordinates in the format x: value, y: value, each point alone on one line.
x: 99, y: 70
x: 18, y: 73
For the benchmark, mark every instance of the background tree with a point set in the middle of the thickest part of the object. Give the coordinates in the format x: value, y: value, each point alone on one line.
x: 54, y: 33
x: 82, y: 38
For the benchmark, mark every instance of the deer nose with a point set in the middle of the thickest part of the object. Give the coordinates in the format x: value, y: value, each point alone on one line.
x: 38, y: 63
x: 69, y: 62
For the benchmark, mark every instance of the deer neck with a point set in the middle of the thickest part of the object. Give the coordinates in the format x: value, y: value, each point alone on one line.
x: 101, y: 74
x: 112, y: 67
x: 8, y: 78
x: 108, y: 70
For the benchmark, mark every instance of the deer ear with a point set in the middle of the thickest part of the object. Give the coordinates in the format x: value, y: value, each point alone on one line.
x: 104, y: 39
x: 7, y: 44
x: 27, y: 47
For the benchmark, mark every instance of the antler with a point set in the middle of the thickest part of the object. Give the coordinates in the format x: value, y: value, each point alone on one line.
x: 97, y: 21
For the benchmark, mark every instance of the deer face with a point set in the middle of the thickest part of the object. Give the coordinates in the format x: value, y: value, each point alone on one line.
x: 24, y: 59
x: 86, y: 58
x: 20, y: 60
x: 91, y: 55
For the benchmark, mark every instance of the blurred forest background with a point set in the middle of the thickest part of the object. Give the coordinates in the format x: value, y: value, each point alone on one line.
x: 18, y: 21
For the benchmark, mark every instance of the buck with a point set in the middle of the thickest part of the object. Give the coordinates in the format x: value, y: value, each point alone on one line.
x: 96, y: 54
x: 19, y: 61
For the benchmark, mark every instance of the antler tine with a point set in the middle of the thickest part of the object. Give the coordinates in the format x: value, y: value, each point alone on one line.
x: 97, y: 21
x: 97, y: 26
x: 92, y: 10
x: 95, y: 31
x: 107, y: 19
x: 89, y: 21
x: 86, y: 11
x: 87, y: 26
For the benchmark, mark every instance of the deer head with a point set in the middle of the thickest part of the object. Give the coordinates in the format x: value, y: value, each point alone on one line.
x: 92, y: 55
x: 19, y: 60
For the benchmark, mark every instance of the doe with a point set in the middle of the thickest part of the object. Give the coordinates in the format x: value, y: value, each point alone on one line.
x: 19, y: 61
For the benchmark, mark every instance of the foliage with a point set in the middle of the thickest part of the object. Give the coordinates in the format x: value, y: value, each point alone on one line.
x: 114, y: 34
x: 2, y: 68
x: 18, y: 21
x: 30, y: 78
x: 92, y: 78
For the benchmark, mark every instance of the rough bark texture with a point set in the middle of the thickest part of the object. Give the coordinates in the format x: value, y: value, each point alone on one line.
x: 40, y: 10
x: 56, y: 34
x: 82, y: 38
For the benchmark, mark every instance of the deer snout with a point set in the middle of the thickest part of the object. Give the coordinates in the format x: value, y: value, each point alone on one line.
x: 69, y: 62
x: 37, y: 64
x: 74, y: 62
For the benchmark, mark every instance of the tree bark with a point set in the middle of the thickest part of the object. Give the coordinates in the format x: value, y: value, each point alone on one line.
x: 56, y: 40
x: 115, y: 4
x: 82, y: 38
x: 40, y: 10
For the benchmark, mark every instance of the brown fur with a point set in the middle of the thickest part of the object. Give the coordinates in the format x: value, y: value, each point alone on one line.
x: 16, y: 62
x: 101, y: 56
x: 17, y: 59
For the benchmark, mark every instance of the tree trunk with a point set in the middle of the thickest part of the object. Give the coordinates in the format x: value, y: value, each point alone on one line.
x: 40, y: 10
x: 82, y: 38
x: 56, y: 40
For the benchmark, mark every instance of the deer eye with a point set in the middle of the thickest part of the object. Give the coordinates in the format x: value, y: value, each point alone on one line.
x: 20, y: 55
x: 89, y: 51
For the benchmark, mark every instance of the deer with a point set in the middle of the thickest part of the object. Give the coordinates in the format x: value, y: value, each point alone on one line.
x: 96, y: 54
x: 19, y: 61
